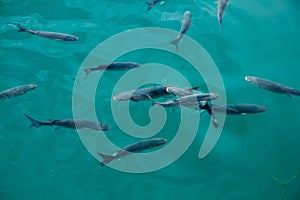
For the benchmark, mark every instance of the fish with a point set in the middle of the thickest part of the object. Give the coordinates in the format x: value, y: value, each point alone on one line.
x: 132, y: 148
x: 49, y: 35
x: 238, y: 109
x: 187, y: 101
x: 272, y: 86
x: 186, y: 22
x: 15, y: 91
x: 154, y: 92
x: 115, y: 66
x: 142, y: 94
x: 151, y: 4
x: 69, y: 123
x: 221, y: 9
x: 180, y: 92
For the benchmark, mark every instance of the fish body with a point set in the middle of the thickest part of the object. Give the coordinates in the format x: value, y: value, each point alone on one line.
x: 69, y: 123
x: 187, y: 101
x: 133, y: 148
x: 272, y: 86
x: 221, y: 9
x: 115, y: 66
x: 186, y: 22
x: 15, y: 91
x: 50, y: 35
x: 181, y: 92
x: 238, y: 109
x: 142, y: 94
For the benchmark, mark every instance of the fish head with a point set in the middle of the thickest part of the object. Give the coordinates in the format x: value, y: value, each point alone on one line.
x: 125, y: 96
x: 32, y: 86
x: 70, y: 38
x: 187, y: 14
x: 214, y: 96
x: 160, y: 141
x: 251, y: 79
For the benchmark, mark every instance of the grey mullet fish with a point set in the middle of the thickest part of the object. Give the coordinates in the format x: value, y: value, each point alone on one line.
x: 237, y: 109
x: 272, y: 86
x: 221, y: 9
x: 12, y: 92
x: 187, y: 101
x: 186, y: 22
x: 69, y: 123
x: 133, y: 148
x: 50, y: 35
x: 154, y: 92
x: 115, y: 66
x: 141, y: 94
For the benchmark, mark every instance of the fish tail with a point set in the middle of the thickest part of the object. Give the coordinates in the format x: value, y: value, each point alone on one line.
x: 34, y: 123
x: 154, y: 103
x: 21, y: 28
x: 216, y: 123
x: 105, y: 158
x: 175, y: 42
x: 87, y: 72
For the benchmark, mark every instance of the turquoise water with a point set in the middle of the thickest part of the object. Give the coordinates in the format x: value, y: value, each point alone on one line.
x: 260, y: 38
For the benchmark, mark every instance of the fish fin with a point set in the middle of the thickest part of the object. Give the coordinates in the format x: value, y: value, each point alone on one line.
x: 21, y: 28
x: 216, y: 123
x: 154, y: 103
x: 56, y: 128
x: 289, y: 95
x: 105, y: 158
x: 195, y: 88
x: 175, y: 42
x: 34, y: 123
x: 87, y: 72
x: 221, y: 27
x: 148, y: 3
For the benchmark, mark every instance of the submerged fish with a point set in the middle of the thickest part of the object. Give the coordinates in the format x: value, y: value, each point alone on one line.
x: 69, y: 123
x: 186, y: 22
x: 193, y: 100
x: 221, y: 9
x: 272, y: 86
x: 180, y: 92
x: 50, y: 35
x: 115, y: 66
x: 238, y: 109
x: 142, y: 94
x: 151, y: 4
x: 16, y: 91
x: 133, y: 148
x: 154, y: 92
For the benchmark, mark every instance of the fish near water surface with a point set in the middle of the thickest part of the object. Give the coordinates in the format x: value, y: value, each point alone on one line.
x: 16, y: 91
x: 222, y: 4
x: 238, y: 109
x: 142, y: 94
x: 272, y: 86
x: 69, y: 123
x: 115, y: 66
x: 49, y: 35
x: 133, y: 148
x: 193, y: 100
x: 186, y: 22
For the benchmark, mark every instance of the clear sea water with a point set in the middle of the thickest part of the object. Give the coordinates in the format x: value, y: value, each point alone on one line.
x: 260, y: 38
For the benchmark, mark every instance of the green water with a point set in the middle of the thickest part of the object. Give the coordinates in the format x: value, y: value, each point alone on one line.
x: 261, y: 38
